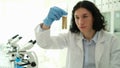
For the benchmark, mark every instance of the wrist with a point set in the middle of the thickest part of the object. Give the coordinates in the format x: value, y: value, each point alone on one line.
x: 48, y: 21
x: 44, y: 27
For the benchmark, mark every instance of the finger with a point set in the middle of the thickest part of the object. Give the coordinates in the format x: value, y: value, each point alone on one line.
x: 61, y: 11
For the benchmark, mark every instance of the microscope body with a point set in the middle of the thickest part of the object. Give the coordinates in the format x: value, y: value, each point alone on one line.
x: 21, y: 57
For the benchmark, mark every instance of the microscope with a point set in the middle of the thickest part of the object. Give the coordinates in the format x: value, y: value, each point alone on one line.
x: 20, y: 57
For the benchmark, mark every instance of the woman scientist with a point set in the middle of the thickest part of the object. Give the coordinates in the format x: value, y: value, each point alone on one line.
x: 89, y: 45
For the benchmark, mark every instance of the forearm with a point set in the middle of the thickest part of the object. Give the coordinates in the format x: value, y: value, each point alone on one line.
x: 46, y: 41
x: 44, y: 27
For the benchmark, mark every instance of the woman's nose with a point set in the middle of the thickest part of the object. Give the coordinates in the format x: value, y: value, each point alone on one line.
x: 80, y: 21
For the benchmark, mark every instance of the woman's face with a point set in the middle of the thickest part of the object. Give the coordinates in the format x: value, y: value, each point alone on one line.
x: 84, y: 20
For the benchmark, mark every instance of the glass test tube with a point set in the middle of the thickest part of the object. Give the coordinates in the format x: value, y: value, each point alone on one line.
x: 64, y: 22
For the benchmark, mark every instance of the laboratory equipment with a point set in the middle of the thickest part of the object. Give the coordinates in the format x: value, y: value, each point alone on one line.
x: 21, y: 57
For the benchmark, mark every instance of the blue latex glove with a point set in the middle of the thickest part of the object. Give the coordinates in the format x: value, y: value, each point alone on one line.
x: 55, y: 13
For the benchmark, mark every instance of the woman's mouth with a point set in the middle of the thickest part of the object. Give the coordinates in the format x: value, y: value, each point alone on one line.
x: 82, y: 27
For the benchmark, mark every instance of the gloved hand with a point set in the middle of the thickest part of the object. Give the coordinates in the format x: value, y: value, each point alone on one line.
x: 55, y: 13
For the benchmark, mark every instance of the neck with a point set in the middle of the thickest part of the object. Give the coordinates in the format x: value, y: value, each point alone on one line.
x: 89, y: 35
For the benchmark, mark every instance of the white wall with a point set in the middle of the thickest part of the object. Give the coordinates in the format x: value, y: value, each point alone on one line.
x: 20, y: 17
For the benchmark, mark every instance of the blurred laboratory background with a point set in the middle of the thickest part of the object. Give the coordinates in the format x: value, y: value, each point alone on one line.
x: 22, y: 16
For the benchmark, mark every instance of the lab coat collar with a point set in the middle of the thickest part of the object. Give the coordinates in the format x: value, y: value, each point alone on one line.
x: 100, y: 39
x: 101, y: 36
x: 94, y: 39
x: 80, y: 39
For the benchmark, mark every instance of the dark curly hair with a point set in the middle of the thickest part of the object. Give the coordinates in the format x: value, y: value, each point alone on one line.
x: 99, y: 21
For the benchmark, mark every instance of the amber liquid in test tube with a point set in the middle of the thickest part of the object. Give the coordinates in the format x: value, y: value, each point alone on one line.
x: 64, y: 22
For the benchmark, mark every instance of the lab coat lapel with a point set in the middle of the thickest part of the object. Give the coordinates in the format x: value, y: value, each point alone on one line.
x: 80, y: 45
x: 99, y: 51
x: 79, y: 42
x: 99, y: 48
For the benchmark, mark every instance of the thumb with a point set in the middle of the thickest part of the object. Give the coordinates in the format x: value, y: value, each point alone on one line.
x: 64, y: 13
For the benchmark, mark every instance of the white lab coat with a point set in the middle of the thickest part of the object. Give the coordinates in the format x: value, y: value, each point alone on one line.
x: 107, y: 51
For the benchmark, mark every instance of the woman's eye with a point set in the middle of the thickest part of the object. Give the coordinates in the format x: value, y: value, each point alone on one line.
x: 77, y: 17
x: 85, y: 16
